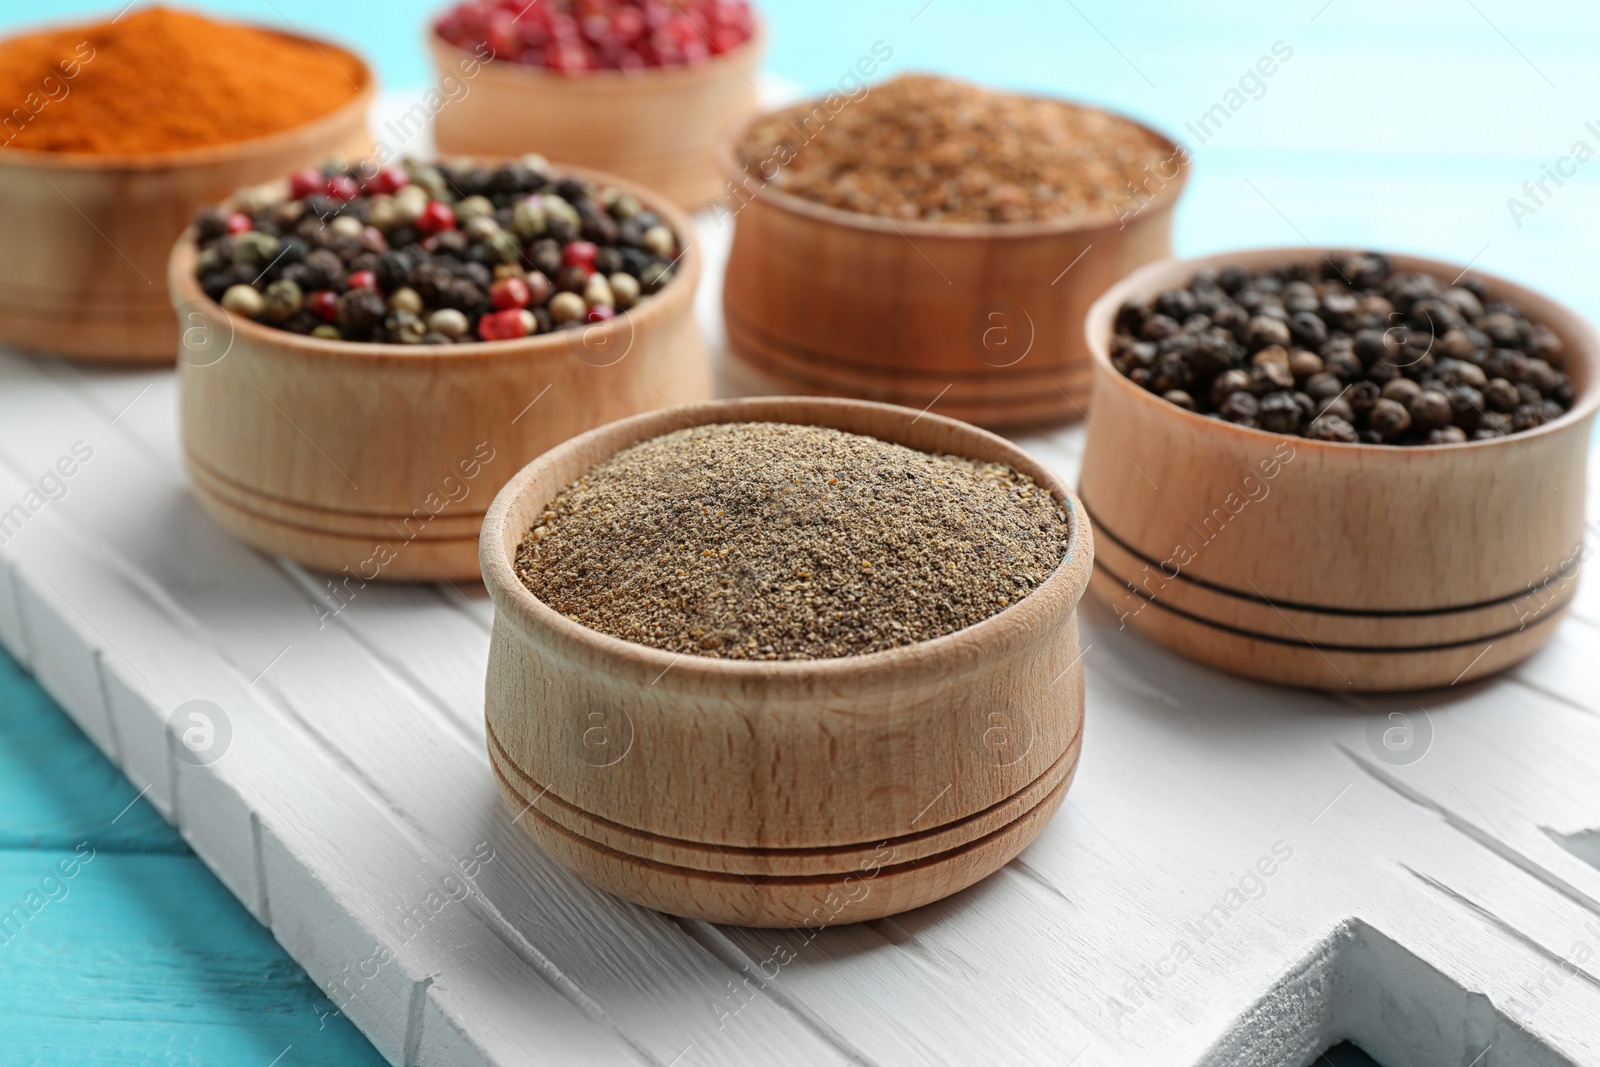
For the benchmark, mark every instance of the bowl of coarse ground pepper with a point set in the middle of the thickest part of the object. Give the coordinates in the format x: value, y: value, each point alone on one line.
x: 1345, y: 470
x: 369, y: 351
x: 931, y: 241
x: 785, y: 661
x: 638, y: 88
x: 113, y: 134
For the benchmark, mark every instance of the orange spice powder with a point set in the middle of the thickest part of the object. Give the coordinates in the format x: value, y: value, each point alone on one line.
x: 159, y: 80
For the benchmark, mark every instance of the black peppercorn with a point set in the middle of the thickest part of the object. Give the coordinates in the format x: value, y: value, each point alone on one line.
x: 1331, y: 428
x: 1430, y: 410
x: 1390, y: 419
x: 1279, y: 413
x: 360, y: 311
x: 1239, y: 407
x: 1179, y: 398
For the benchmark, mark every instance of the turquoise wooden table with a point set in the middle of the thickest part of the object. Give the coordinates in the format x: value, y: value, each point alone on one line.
x: 1412, y: 127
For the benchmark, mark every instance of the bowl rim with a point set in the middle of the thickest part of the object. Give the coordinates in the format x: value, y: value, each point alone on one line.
x: 1582, y: 341
x: 360, y: 103
x: 183, y: 289
x: 752, y: 48
x: 1165, y: 198
x: 1035, y: 613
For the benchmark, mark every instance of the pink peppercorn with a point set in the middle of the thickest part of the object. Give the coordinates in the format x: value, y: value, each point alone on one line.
x: 505, y: 325
x: 302, y: 183
x: 343, y: 187
x: 436, y: 218
x: 239, y: 222
x: 510, y: 293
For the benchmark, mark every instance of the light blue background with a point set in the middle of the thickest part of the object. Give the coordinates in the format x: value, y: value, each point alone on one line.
x: 1402, y: 124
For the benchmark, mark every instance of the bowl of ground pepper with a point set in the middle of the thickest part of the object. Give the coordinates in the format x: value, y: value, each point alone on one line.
x: 639, y: 88
x: 369, y: 351
x: 1344, y: 470
x: 117, y: 133
x: 785, y: 662
x: 929, y: 240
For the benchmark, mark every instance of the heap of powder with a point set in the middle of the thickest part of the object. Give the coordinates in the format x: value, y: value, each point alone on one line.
x: 940, y: 150
x: 773, y: 541
x: 157, y: 80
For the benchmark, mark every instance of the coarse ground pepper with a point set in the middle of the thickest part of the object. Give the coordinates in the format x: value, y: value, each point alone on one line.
x: 769, y: 541
x: 158, y: 80
x: 940, y: 150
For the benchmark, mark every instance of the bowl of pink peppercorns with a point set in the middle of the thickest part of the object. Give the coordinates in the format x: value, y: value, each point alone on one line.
x: 639, y: 88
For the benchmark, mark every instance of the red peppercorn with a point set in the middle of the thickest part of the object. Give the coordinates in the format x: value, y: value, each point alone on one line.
x: 510, y: 293
x: 580, y: 254
x: 505, y: 325
x: 363, y: 279
x: 324, y: 304
x: 302, y: 183
x: 389, y: 180
x: 239, y: 222
x: 436, y: 218
x: 600, y: 313
x: 342, y: 187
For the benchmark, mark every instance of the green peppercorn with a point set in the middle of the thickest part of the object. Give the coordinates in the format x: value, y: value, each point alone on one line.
x: 282, y: 299
x: 244, y: 300
x: 327, y: 332
x: 625, y: 287
x: 406, y: 299
x: 404, y: 327
x: 598, y: 292
x: 659, y: 239
x: 255, y: 249
x: 528, y: 219
x: 474, y: 207
x: 450, y: 322
x: 567, y: 307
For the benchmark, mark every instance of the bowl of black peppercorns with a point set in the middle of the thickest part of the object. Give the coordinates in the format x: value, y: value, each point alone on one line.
x: 1341, y: 469
x: 367, y: 351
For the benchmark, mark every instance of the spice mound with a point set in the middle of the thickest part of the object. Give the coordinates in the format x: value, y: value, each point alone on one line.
x: 577, y: 37
x: 157, y: 80
x: 424, y: 254
x: 767, y: 541
x: 939, y: 150
x: 1350, y: 351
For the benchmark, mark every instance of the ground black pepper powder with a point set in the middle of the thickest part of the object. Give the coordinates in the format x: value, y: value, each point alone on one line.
x: 772, y: 541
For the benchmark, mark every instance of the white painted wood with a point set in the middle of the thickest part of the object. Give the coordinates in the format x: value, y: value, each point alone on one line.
x: 356, y: 784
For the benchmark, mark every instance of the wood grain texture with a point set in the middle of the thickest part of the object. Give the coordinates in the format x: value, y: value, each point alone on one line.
x: 656, y: 127
x: 768, y: 794
x: 378, y: 461
x: 87, y: 237
x: 1365, y: 567
x: 985, y: 318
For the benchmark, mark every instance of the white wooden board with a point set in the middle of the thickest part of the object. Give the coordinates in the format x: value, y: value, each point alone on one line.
x: 1240, y: 875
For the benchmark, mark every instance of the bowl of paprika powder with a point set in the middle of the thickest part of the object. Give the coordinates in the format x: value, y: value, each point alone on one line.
x: 113, y: 134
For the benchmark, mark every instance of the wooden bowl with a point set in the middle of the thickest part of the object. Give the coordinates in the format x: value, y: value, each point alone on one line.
x: 378, y: 461
x: 657, y: 127
x: 87, y: 236
x: 1335, y: 566
x: 789, y: 793
x: 985, y: 319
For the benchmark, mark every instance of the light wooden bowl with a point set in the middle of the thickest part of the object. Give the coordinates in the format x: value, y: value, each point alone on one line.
x: 1335, y: 566
x: 987, y: 319
x: 787, y: 793
x: 87, y: 237
x: 659, y: 127
x: 379, y: 461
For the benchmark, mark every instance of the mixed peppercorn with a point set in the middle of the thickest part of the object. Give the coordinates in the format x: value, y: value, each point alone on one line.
x: 1355, y: 351
x: 426, y: 254
x: 577, y: 36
